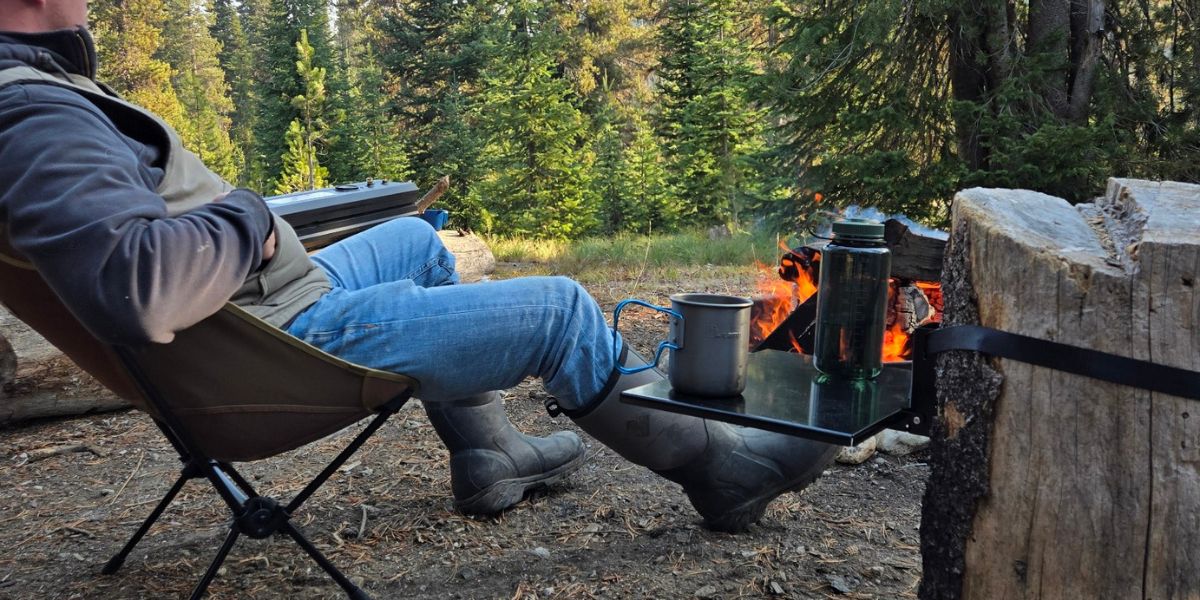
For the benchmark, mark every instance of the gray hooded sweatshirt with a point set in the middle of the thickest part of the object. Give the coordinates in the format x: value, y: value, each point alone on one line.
x: 117, y: 217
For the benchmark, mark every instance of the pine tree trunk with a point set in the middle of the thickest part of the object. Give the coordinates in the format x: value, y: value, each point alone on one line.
x: 1050, y: 485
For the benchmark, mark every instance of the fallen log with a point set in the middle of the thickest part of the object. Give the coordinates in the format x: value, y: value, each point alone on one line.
x: 1045, y: 484
x: 8, y: 364
x: 473, y: 259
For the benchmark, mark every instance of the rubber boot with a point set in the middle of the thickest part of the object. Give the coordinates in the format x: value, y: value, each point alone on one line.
x: 730, y: 473
x: 492, y: 465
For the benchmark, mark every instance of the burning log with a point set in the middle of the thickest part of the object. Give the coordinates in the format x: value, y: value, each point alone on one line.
x: 915, y: 255
x: 1045, y: 484
x: 783, y: 318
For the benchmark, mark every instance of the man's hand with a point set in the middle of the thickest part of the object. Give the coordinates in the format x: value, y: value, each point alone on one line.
x: 268, y: 251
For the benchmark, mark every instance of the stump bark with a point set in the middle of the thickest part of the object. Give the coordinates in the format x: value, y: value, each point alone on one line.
x: 1050, y: 485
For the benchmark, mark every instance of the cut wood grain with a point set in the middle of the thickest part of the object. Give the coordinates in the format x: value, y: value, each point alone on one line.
x: 1050, y: 485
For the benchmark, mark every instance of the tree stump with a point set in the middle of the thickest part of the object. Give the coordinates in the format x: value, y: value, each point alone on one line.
x: 1050, y: 485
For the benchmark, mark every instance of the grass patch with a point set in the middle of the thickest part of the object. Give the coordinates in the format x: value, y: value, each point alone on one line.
x: 627, y: 251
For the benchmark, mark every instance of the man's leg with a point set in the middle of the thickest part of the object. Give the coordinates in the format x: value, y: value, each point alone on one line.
x: 397, y: 250
x: 460, y: 340
x: 729, y: 473
x: 492, y: 464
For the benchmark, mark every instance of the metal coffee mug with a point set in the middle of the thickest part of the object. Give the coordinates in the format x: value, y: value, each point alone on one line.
x: 709, y: 341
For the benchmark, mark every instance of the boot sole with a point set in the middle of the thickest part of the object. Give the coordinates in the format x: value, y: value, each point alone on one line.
x: 505, y: 493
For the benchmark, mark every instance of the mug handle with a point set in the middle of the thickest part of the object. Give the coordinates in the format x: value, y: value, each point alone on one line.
x: 662, y: 346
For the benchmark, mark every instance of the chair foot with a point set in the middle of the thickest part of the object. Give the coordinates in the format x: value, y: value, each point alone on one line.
x: 226, y: 546
x: 113, y: 565
x: 344, y: 582
x: 116, y: 561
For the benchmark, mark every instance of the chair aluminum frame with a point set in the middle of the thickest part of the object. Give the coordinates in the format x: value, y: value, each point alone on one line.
x: 253, y: 515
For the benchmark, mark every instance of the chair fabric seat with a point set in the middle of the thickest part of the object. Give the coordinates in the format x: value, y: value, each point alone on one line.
x: 244, y: 389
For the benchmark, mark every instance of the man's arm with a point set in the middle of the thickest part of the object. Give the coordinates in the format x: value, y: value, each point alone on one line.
x: 79, y: 207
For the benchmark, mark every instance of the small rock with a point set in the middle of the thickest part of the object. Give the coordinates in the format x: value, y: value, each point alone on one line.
x: 839, y: 584
x: 466, y: 574
x: 708, y: 591
x: 875, y: 572
x: 901, y: 443
x: 857, y: 455
x: 540, y: 552
x: 776, y: 589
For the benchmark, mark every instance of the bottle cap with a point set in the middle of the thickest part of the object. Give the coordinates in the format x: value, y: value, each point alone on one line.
x: 858, y: 229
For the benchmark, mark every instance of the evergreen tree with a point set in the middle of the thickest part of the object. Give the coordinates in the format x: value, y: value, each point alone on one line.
x: 647, y: 199
x: 373, y: 132
x: 863, y: 111
x: 370, y: 136
x: 436, y: 51
x: 237, y: 60
x: 200, y: 85
x: 534, y: 165
x: 301, y: 167
x: 713, y: 133
x: 607, y: 183
x: 899, y: 103
x: 128, y: 35
x: 609, y: 50
x: 276, y: 31
x: 629, y: 178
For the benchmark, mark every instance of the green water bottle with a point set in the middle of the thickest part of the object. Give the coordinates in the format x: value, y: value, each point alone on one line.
x: 852, y: 300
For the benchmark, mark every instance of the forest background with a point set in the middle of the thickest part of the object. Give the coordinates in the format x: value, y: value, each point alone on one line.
x: 562, y: 119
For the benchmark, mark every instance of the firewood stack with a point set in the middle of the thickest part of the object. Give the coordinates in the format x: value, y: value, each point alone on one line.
x: 1050, y: 485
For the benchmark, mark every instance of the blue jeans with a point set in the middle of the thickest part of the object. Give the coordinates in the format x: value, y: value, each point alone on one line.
x: 396, y: 305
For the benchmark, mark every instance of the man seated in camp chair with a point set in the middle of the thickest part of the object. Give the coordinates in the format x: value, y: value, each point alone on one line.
x: 140, y: 240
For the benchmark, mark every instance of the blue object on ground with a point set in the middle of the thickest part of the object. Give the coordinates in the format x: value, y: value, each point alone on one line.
x: 436, y: 217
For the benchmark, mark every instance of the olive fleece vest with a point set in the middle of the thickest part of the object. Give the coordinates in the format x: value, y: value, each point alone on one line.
x: 284, y: 286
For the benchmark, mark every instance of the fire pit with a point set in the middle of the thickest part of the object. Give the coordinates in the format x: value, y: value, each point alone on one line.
x: 785, y: 311
x: 785, y: 393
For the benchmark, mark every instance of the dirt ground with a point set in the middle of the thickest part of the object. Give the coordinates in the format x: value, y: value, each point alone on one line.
x: 611, y: 530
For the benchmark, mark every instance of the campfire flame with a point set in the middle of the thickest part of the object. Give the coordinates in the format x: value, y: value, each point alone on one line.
x: 781, y: 290
x: 895, y: 344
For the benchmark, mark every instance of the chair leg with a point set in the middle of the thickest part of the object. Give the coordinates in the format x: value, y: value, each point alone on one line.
x: 115, y: 562
x: 238, y: 479
x: 198, y: 591
x: 353, y: 591
x: 342, y: 457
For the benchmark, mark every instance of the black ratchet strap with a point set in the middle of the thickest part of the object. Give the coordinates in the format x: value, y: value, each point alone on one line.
x: 1070, y: 359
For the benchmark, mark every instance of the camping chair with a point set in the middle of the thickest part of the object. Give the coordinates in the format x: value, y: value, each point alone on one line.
x: 199, y: 391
